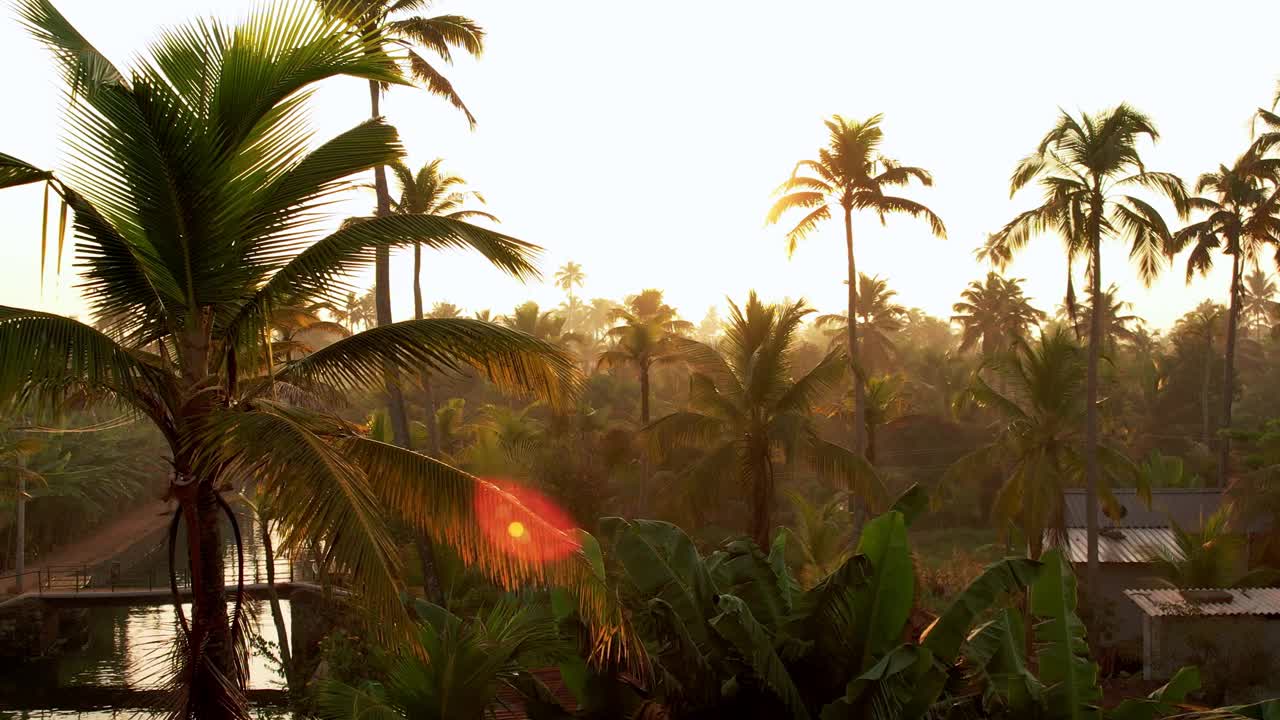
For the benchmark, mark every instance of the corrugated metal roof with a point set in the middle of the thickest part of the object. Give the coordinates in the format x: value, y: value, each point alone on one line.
x: 1244, y: 601
x: 1187, y: 507
x: 1135, y: 545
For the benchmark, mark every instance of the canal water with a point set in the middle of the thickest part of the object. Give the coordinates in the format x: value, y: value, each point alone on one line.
x: 126, y: 648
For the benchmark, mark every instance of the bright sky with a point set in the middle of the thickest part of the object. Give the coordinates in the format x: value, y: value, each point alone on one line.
x: 643, y: 140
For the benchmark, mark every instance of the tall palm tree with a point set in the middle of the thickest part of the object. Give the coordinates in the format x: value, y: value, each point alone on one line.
x: 994, y: 315
x: 850, y: 175
x: 1243, y: 218
x: 1037, y: 445
x: 1203, y: 326
x: 432, y: 191
x: 879, y: 318
x: 1258, y: 303
x: 745, y: 410
x: 194, y: 217
x: 643, y: 339
x: 442, y: 35
x: 1086, y: 167
x: 567, y: 277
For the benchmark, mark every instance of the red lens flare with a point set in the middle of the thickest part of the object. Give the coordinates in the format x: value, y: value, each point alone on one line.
x: 524, y: 523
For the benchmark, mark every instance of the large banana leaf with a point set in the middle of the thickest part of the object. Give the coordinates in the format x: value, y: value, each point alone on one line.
x: 736, y: 624
x: 661, y: 562
x: 1163, y: 701
x: 885, y: 690
x: 995, y: 657
x: 882, y: 606
x: 1071, y: 679
x: 944, y: 638
x: 741, y: 569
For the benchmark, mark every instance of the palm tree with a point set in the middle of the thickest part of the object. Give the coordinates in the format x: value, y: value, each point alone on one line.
x: 569, y: 275
x: 194, y: 216
x: 431, y: 191
x: 357, y: 312
x: 528, y: 318
x: 1202, y: 326
x: 745, y: 410
x: 879, y: 318
x: 1258, y: 303
x: 1086, y: 167
x: 1118, y: 322
x: 1243, y: 217
x: 995, y: 315
x: 445, y: 310
x: 489, y: 652
x: 1037, y: 445
x: 600, y: 316
x: 850, y: 174
x: 643, y: 339
x: 442, y: 34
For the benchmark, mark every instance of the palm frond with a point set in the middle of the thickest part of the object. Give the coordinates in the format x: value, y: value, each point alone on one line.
x: 510, y: 359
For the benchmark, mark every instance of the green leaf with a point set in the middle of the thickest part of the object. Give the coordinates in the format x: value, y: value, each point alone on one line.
x: 995, y: 655
x: 912, y: 503
x: 662, y: 562
x: 883, y: 605
x: 1162, y: 701
x: 736, y: 624
x: 885, y: 689
x: 1071, y: 679
x: 946, y: 635
x: 14, y: 172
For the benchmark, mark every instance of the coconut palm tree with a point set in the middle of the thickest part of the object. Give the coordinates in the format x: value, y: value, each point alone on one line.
x: 1242, y: 207
x: 1118, y: 322
x: 850, y: 175
x: 358, y: 312
x: 567, y: 277
x: 879, y: 317
x: 405, y: 34
x: 445, y: 310
x: 1038, y: 446
x: 643, y: 339
x: 600, y: 316
x: 1087, y: 167
x: 1203, y: 326
x: 528, y: 318
x: 1258, y: 303
x: 194, y: 220
x: 994, y: 315
x: 431, y: 191
x: 747, y: 414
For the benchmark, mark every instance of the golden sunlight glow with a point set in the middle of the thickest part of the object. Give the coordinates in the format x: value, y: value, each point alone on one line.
x: 516, y: 529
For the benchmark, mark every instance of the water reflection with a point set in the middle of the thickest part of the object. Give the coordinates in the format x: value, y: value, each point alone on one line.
x: 127, y: 647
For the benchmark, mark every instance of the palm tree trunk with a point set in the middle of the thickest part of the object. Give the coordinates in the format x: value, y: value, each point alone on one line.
x: 1206, y: 424
x: 761, y: 493
x: 641, y: 505
x: 859, y: 389
x: 1228, y: 373
x: 382, y: 287
x: 1091, y: 409
x: 277, y: 614
x: 426, y: 556
x: 213, y: 654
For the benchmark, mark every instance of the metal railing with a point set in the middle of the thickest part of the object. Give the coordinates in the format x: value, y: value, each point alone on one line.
x: 113, y: 577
